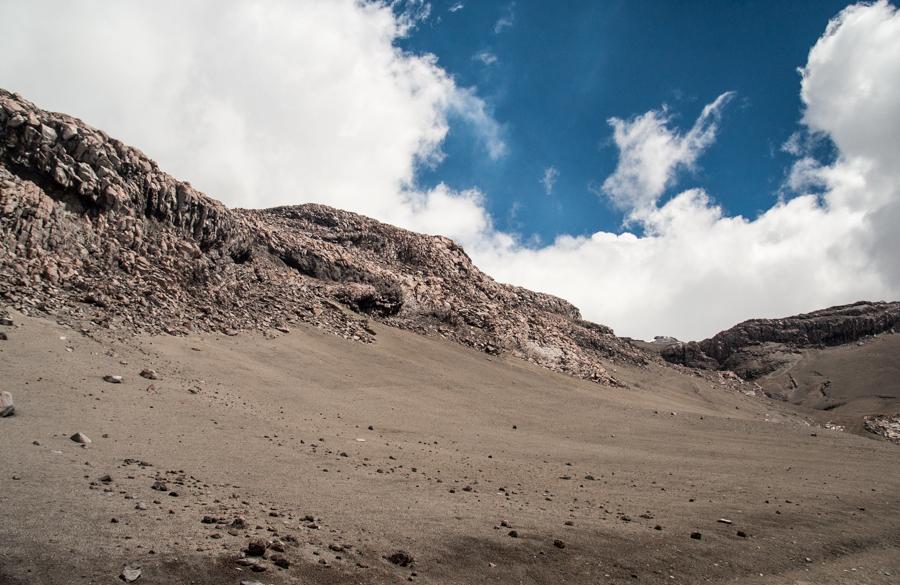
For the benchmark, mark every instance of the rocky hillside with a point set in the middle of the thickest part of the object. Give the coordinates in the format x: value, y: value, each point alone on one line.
x: 758, y: 347
x: 93, y: 232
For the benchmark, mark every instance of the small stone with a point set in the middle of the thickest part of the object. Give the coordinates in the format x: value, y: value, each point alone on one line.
x: 559, y: 544
x: 7, y: 408
x: 130, y: 574
x: 401, y: 558
x: 149, y: 374
x: 513, y: 534
x: 696, y: 535
x: 724, y: 521
x: 239, y: 523
x: 140, y: 506
x: 159, y: 486
x: 742, y: 534
x: 3, y: 336
x: 256, y: 548
x: 105, y: 478
x: 80, y: 438
x: 280, y: 561
x: 569, y: 523
x: 112, y: 379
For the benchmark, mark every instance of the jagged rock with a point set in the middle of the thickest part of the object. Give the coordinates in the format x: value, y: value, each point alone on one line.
x: 7, y: 408
x: 755, y: 348
x: 91, y: 228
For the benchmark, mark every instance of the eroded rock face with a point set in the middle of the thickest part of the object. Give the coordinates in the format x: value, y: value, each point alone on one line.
x: 93, y: 231
x: 757, y: 347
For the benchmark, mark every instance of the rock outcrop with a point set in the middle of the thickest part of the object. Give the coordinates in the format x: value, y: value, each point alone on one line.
x: 92, y: 231
x: 758, y: 347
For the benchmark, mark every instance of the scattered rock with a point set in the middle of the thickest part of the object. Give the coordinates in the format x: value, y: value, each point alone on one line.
x: 256, y: 548
x: 280, y: 561
x: 725, y: 521
x: 3, y: 336
x: 112, y: 379
x: 159, y: 486
x: 741, y: 534
x: 559, y: 544
x: 130, y: 574
x: 80, y: 438
x: 696, y: 535
x: 7, y: 408
x: 886, y: 426
x: 400, y: 558
x: 513, y: 534
x: 149, y: 374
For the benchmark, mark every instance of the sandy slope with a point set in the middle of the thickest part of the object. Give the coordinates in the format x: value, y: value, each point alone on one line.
x: 256, y: 426
x: 848, y: 381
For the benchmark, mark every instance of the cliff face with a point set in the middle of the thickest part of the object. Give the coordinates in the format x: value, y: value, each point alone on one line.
x: 94, y: 232
x: 757, y: 347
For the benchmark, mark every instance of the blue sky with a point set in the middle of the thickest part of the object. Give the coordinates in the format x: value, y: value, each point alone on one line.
x: 559, y: 74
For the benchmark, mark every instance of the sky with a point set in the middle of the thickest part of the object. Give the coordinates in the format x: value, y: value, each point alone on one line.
x: 670, y: 168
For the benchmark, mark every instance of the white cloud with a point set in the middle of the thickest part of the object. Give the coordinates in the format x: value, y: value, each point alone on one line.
x: 548, y: 180
x: 650, y: 154
x: 486, y: 57
x: 507, y: 20
x: 256, y: 104
x: 312, y: 101
x: 456, y: 7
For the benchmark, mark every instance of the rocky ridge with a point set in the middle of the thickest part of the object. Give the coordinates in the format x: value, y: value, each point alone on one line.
x: 758, y: 347
x: 93, y: 232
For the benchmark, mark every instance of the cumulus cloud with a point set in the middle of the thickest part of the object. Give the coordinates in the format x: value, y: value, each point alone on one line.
x: 456, y: 7
x: 258, y: 104
x: 548, y: 180
x: 293, y: 101
x: 695, y: 270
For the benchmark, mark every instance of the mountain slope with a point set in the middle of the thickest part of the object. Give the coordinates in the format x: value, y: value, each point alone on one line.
x: 86, y: 221
x: 844, y: 360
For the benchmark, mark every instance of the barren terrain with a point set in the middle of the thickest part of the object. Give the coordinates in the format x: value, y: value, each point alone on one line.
x: 342, y: 453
